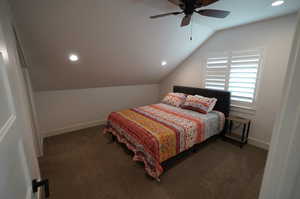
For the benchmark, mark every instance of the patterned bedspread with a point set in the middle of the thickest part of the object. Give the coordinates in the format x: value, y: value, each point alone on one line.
x: 158, y: 132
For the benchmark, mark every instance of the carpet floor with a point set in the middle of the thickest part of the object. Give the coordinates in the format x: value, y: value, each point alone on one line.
x: 83, y: 165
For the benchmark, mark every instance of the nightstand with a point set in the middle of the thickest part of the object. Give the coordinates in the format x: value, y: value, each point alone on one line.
x: 239, y: 138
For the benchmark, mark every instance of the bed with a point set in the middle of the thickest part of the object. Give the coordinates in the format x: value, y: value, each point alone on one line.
x: 159, y: 132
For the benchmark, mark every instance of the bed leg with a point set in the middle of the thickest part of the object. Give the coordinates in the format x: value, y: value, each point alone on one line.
x: 112, y: 139
x: 195, y: 149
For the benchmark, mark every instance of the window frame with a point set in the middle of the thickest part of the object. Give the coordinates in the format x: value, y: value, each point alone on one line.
x: 229, y: 54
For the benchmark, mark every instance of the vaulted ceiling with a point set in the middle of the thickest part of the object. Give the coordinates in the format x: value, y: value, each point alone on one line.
x: 117, y: 42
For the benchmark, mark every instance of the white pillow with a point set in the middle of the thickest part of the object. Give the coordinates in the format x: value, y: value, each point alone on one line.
x: 212, y: 102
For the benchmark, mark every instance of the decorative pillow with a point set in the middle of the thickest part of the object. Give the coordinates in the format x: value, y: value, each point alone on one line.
x: 174, y: 99
x: 212, y: 102
x: 199, y: 104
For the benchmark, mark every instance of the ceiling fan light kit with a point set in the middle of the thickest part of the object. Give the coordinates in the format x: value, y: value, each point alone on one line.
x: 189, y: 7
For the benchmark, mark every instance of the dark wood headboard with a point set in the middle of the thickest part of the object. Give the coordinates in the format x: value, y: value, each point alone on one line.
x: 223, y: 103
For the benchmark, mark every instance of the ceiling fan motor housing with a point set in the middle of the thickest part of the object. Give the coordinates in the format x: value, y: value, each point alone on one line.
x: 190, y: 6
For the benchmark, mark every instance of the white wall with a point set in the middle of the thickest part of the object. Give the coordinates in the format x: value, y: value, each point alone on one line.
x: 275, y: 36
x: 66, y: 110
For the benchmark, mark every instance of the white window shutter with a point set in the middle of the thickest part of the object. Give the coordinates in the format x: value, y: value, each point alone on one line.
x: 243, y: 75
x: 237, y: 73
x: 216, y: 70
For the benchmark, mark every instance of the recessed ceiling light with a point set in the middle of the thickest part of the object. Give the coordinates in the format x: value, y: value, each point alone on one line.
x: 163, y: 63
x: 73, y: 57
x: 277, y: 3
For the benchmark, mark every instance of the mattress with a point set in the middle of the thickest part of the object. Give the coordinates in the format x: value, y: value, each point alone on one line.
x: 158, y: 132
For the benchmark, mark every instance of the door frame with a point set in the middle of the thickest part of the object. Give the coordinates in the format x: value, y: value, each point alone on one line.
x: 34, y: 118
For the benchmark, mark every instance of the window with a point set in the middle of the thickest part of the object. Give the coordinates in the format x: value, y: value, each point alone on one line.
x: 236, y: 72
x: 216, y: 72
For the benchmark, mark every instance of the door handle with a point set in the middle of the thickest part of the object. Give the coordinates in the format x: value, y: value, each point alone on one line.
x: 36, y: 184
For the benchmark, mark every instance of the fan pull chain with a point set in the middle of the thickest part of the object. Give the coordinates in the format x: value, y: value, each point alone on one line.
x: 191, y: 35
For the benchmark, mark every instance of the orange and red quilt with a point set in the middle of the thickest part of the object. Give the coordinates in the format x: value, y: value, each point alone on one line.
x: 157, y: 132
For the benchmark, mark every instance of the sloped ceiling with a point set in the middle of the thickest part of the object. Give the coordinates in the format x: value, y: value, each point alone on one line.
x: 117, y: 42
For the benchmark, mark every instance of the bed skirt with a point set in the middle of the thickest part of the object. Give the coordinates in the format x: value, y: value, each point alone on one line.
x: 153, y: 169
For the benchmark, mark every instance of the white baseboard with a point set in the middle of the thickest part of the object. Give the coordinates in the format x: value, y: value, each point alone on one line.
x: 83, y: 125
x: 74, y: 127
x: 40, y: 194
x: 258, y: 143
x: 29, y: 193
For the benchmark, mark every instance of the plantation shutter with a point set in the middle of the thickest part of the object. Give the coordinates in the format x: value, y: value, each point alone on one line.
x: 236, y: 72
x: 243, y: 76
x: 216, y: 72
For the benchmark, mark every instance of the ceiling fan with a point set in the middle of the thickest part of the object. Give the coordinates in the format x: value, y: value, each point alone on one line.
x: 188, y: 7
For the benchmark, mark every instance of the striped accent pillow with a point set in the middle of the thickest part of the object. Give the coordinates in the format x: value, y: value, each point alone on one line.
x: 212, y: 102
x: 174, y: 99
x: 199, y: 104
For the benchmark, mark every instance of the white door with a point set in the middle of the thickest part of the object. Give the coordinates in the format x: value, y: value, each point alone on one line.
x: 18, y: 163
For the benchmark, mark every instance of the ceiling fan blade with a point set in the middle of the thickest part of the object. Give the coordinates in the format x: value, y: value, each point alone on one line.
x: 186, y: 20
x: 176, y: 2
x: 213, y: 13
x: 205, y: 2
x: 166, y: 14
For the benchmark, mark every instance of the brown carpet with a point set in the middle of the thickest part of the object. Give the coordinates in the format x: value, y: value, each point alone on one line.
x: 82, y: 165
